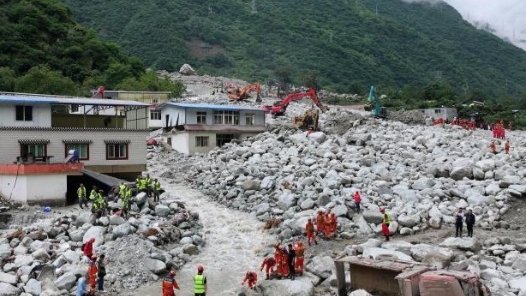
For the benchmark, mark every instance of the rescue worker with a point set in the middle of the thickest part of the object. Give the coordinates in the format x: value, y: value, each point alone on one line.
x: 284, y: 261
x: 93, y: 273
x: 309, y: 228
x: 291, y: 259
x: 385, y: 224
x: 333, y: 225
x: 357, y: 201
x: 88, y: 248
x: 252, y: 278
x: 156, y: 190
x: 507, y: 147
x: 200, y: 286
x: 148, y: 185
x: 101, y: 204
x: 101, y: 272
x: 268, y: 263
x: 470, y: 221
x: 459, y: 221
x: 493, y: 147
x: 93, y: 194
x: 122, y: 190
x: 170, y: 284
x: 81, y: 193
x: 300, y: 257
x: 277, y: 258
x: 320, y: 222
x: 126, y: 202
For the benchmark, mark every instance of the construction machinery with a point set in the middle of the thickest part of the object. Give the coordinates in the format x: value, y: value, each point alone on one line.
x: 240, y: 94
x: 374, y: 105
x: 279, y: 107
x: 309, y: 120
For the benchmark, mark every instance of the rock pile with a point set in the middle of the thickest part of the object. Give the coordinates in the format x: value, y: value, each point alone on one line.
x: 138, y: 249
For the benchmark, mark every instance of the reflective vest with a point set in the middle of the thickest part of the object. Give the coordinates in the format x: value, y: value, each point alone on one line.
x: 142, y: 184
x: 122, y: 190
x: 81, y: 192
x: 199, y: 281
x: 387, y: 219
x: 93, y: 195
x: 157, y: 185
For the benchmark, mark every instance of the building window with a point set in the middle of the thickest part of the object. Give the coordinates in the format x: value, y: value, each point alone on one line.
x: 116, y: 150
x: 155, y: 100
x: 24, y: 113
x: 201, y: 118
x: 82, y: 148
x: 74, y: 108
x: 37, y: 150
x: 226, y: 117
x: 437, y: 111
x: 222, y: 139
x: 169, y: 141
x: 155, y: 115
x: 201, y: 141
x: 249, y: 119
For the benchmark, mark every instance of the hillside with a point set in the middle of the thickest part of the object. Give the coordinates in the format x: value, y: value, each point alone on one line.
x: 346, y: 43
x: 44, y: 50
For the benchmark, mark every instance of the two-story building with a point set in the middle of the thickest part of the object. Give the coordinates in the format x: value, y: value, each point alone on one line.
x: 199, y: 128
x: 153, y: 98
x: 37, y: 133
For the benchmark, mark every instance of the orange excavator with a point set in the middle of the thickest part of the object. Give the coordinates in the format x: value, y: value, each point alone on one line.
x: 239, y: 94
x: 280, y: 107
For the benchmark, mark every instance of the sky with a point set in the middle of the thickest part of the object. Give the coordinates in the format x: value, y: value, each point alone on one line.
x: 506, y: 17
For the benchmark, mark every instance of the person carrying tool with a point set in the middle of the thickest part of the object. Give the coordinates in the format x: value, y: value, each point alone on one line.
x: 252, y: 278
x: 268, y: 263
x: 385, y: 223
x: 169, y: 284
x: 200, y: 286
x: 299, y: 248
x: 81, y: 193
x: 309, y: 228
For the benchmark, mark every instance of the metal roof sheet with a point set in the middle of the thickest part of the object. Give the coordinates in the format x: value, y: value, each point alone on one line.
x: 35, y: 99
x: 212, y: 106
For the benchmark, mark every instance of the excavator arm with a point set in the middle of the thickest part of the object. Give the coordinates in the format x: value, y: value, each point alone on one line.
x: 244, y: 93
x: 280, y: 107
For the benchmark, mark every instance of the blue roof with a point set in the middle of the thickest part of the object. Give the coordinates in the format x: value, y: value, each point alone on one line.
x: 48, y: 100
x: 212, y: 106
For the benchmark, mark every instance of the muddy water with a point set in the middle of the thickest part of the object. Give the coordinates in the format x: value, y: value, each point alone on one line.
x: 235, y: 243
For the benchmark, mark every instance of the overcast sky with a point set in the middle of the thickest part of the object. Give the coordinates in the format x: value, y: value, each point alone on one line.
x: 506, y: 17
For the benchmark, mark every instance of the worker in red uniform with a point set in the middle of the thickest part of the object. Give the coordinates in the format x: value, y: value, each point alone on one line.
x: 334, y: 225
x: 88, y: 248
x: 507, y: 147
x: 252, y: 278
x: 357, y: 201
x: 493, y: 147
x: 299, y: 247
x: 169, y: 284
x: 320, y: 222
x: 284, y: 261
x: 268, y: 264
x: 309, y: 228
x: 92, y: 273
x: 277, y: 258
x: 327, y: 226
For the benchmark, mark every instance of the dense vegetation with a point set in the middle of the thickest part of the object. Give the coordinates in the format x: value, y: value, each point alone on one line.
x: 43, y: 50
x: 347, y: 44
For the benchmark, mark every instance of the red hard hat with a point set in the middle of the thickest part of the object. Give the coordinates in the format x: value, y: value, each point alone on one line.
x: 382, y: 210
x: 200, y: 268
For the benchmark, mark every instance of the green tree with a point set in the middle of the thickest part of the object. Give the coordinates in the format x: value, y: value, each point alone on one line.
x: 310, y: 78
x: 43, y: 80
x: 116, y: 73
x: 7, y: 79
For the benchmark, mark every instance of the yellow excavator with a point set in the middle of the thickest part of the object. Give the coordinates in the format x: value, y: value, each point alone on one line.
x: 239, y: 94
x: 309, y: 120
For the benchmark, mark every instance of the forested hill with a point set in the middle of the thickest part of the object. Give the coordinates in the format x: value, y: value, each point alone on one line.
x: 44, y: 50
x: 351, y: 44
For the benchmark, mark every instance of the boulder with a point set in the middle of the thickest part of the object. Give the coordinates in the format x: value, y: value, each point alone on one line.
x: 141, y: 198
x: 33, y: 287
x: 437, y: 260
x: 423, y: 183
x: 96, y: 232
x: 190, y: 249
x: 518, y: 283
x: 321, y: 266
x: 462, y: 168
x: 156, y: 266
x: 72, y: 256
x: 464, y: 243
x: 65, y: 281
x: 509, y: 180
x: 22, y: 260
x: 408, y: 221
x: 360, y: 293
x: 370, y: 243
x: 379, y: 253
x: 8, y: 278
x: 301, y: 286
x: 121, y: 230
x: 186, y: 69
x: 267, y: 183
x: 40, y: 254
x: 8, y: 290
x: 251, y: 185
x: 286, y: 201
x: 162, y: 210
x: 372, y: 216
x: 116, y: 220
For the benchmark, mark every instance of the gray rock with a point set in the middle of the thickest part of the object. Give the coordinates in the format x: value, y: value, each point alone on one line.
x: 33, y: 287
x: 408, y: 221
x: 156, y: 266
x: 360, y: 293
x: 5, y: 251
x: 286, y: 201
x: 370, y: 243
x: 72, y: 256
x: 190, y: 249
x: 77, y: 235
x: 96, y: 232
x: 22, y: 260
x: 141, y: 198
x: 40, y: 254
x: 374, y: 217
x: 267, y: 183
x: 301, y: 286
x: 423, y: 183
x: 65, y: 281
x: 122, y: 230
x: 116, y: 220
x: 379, y: 253
x: 8, y: 278
x: 340, y: 210
x: 8, y: 290
x: 307, y: 204
x: 321, y: 266
x: 35, y: 245
x: 465, y: 243
x: 462, y: 168
x: 437, y: 260
x: 162, y: 210
x: 509, y: 180
x: 251, y: 185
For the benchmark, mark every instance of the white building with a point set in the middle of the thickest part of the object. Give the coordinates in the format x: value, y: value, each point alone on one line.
x: 37, y: 131
x: 442, y: 112
x: 198, y: 128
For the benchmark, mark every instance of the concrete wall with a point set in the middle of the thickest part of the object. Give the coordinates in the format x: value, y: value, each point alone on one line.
x: 184, y: 142
x: 436, y: 113
x: 189, y: 116
x: 41, y: 116
x: 144, y: 97
x: 368, y: 278
x: 173, y: 113
x: 180, y: 142
x: 137, y: 119
x: 89, y: 121
x: 97, y: 148
x: 32, y: 189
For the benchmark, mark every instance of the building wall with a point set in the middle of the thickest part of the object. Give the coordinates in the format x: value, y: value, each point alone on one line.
x: 185, y: 142
x: 193, y: 149
x: 180, y: 142
x: 16, y: 190
x: 144, y: 97
x: 173, y: 114
x: 137, y: 119
x: 446, y: 113
x: 31, y: 189
x: 41, y: 116
x: 10, y: 146
x: 155, y: 124
x: 191, y: 116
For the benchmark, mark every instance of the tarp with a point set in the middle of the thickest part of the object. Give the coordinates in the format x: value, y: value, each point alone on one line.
x: 105, y: 179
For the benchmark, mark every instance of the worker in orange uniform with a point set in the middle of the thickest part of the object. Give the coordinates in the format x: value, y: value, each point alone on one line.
x: 92, y: 273
x: 299, y: 247
x: 327, y: 225
x: 277, y: 258
x: 309, y: 228
x: 507, y: 147
x: 330, y: 225
x: 169, y: 284
x: 493, y: 147
x: 268, y: 264
x: 320, y: 222
x: 252, y: 278
x: 385, y: 224
x: 284, y: 262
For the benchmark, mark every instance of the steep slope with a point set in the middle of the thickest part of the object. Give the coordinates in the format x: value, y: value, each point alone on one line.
x: 350, y: 43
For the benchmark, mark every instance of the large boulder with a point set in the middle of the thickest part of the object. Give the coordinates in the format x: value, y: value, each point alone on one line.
x: 96, y: 232
x: 462, y: 168
x: 286, y: 201
x: 321, y: 266
x: 372, y: 216
x: 121, y: 230
x: 301, y: 286
x: 162, y: 210
x: 464, y: 243
x: 379, y: 253
x: 156, y: 266
x: 408, y: 221
x: 186, y: 69
x: 8, y: 278
x: 8, y: 290
x: 65, y: 281
x: 33, y: 287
